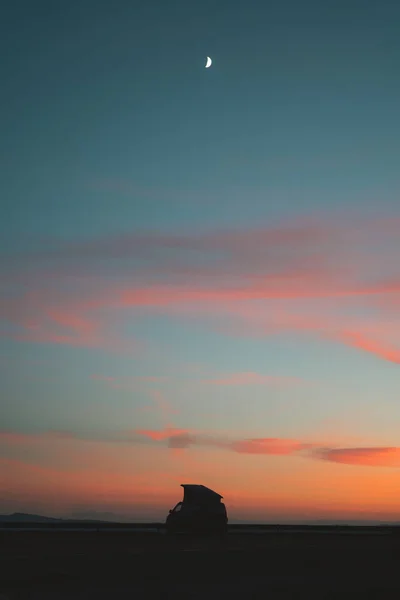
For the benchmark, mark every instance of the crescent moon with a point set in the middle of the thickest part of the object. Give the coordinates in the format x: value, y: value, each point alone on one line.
x: 209, y: 62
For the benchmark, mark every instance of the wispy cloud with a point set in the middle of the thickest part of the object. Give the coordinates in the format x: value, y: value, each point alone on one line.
x: 50, y: 316
x: 335, y: 255
x: 274, y: 446
x: 240, y: 378
x: 180, y: 439
x: 363, y: 342
x: 352, y: 324
x: 371, y: 457
x: 213, y: 275
x: 185, y: 439
x: 16, y: 438
x: 163, y: 434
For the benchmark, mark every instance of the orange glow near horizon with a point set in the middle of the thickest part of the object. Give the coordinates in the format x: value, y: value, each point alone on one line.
x: 292, y: 487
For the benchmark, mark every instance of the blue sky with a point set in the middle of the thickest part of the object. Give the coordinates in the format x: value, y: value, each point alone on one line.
x: 200, y: 252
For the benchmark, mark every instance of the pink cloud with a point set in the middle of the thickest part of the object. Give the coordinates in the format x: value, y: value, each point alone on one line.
x: 314, y: 257
x: 275, y: 446
x: 181, y: 440
x: 49, y: 316
x: 184, y: 439
x: 368, y: 336
x: 378, y: 456
x: 285, y: 243
x: 373, y: 334
x: 161, y: 434
x: 211, y: 275
x: 177, y: 439
x: 371, y: 457
x: 362, y: 342
x: 15, y: 438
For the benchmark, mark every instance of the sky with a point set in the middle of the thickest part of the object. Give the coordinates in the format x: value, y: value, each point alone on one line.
x: 199, y: 274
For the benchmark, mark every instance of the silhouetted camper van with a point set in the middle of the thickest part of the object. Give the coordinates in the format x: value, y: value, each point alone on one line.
x: 201, y: 511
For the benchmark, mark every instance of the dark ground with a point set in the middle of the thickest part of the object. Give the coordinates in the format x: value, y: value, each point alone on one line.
x: 121, y: 565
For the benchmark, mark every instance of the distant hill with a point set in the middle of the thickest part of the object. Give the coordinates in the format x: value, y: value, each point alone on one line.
x: 28, y: 518
x: 18, y: 518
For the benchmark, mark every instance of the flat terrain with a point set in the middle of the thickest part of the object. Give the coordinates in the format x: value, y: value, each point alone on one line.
x: 119, y: 565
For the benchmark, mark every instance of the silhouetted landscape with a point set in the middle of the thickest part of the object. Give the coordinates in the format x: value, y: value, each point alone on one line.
x: 21, y: 519
x: 285, y: 563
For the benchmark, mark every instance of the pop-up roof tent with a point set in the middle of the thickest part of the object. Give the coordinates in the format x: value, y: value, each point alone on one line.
x: 199, y: 494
